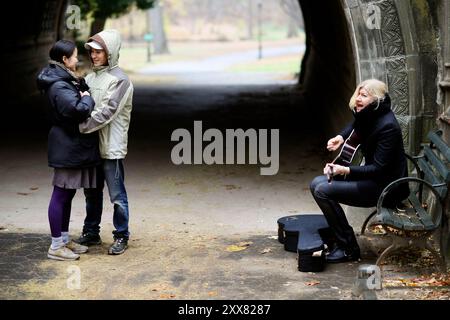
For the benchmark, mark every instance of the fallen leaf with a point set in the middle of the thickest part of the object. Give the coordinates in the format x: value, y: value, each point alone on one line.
x: 266, y: 250
x: 34, y: 188
x: 160, y: 287
x: 212, y: 293
x: 235, y: 248
x: 239, y: 247
x: 231, y: 187
x: 22, y: 193
x: 312, y: 283
x: 167, y: 296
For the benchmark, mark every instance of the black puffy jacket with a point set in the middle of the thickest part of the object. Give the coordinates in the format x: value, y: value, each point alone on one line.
x: 67, y: 147
x: 382, y: 144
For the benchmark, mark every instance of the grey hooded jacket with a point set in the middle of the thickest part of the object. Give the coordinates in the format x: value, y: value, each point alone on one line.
x: 112, y: 92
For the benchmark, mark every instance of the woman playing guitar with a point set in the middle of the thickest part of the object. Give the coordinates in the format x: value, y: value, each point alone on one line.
x: 379, y: 137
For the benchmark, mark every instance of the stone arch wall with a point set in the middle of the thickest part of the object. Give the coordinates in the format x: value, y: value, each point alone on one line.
x: 408, y: 48
x: 395, y: 41
x: 26, y: 40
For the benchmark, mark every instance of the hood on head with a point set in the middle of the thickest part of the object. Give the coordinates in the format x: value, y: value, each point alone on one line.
x: 51, y: 74
x: 111, y: 42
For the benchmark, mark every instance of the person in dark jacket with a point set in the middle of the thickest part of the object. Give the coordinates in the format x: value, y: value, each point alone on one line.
x: 74, y: 156
x: 381, y: 143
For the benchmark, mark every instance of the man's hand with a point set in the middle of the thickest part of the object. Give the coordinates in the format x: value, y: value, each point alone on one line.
x: 334, y: 143
x: 85, y: 93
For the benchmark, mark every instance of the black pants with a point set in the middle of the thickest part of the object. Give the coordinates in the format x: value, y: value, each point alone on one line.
x: 361, y: 193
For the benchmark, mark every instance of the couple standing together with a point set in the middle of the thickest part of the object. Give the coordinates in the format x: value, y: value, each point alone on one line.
x: 87, y: 141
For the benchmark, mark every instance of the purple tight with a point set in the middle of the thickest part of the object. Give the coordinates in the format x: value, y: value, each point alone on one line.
x: 59, y: 210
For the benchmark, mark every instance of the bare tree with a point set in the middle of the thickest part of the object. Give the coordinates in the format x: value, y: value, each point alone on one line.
x: 250, y: 19
x: 292, y: 9
x: 157, y: 27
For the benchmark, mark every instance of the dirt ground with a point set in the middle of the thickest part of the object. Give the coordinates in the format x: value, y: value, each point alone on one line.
x: 183, y: 219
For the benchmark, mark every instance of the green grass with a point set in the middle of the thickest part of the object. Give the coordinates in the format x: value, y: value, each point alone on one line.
x: 289, y: 64
x: 273, y: 33
x: 135, y: 58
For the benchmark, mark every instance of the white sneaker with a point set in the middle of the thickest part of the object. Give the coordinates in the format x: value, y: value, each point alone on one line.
x: 76, y: 248
x: 62, y: 254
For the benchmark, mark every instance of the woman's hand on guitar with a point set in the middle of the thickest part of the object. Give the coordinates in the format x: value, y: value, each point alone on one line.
x: 334, y: 143
x: 335, y: 169
x: 328, y: 170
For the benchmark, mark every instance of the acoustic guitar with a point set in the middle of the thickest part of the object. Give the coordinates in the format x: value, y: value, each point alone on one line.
x: 347, y: 153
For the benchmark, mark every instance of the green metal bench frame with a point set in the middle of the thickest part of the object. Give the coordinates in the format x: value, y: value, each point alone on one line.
x: 411, y: 227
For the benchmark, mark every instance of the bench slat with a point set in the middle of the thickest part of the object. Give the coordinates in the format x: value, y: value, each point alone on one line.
x: 431, y: 177
x: 401, y: 221
x: 440, y: 144
x: 424, y: 216
x: 443, y: 170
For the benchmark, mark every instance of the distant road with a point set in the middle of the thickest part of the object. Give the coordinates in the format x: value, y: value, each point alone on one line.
x: 213, y: 70
x: 220, y: 63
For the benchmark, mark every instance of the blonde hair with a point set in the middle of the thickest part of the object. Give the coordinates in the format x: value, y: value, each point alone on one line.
x: 374, y: 87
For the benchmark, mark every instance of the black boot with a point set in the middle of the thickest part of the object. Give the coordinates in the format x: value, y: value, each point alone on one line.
x: 340, y: 254
x: 345, y: 252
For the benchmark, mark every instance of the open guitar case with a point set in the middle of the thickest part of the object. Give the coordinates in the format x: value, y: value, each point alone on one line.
x: 308, y: 235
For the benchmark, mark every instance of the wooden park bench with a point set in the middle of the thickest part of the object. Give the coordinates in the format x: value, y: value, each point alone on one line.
x: 424, y: 212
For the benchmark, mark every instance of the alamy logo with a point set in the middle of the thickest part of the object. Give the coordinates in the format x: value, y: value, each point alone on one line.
x: 235, y: 147
x: 73, y: 20
x: 74, y: 280
x: 373, y: 17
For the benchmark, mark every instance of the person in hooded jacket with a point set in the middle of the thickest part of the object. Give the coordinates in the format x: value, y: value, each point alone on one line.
x: 381, y: 144
x: 73, y: 156
x: 112, y: 91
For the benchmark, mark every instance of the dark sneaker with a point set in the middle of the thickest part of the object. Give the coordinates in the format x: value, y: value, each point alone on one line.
x: 119, y: 246
x: 89, y: 239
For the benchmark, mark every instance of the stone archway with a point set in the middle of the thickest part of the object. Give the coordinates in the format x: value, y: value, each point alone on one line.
x: 400, y: 49
x: 403, y: 43
x: 392, y: 40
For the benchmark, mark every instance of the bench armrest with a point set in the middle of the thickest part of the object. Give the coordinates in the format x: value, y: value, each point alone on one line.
x: 422, y: 182
x: 413, y: 160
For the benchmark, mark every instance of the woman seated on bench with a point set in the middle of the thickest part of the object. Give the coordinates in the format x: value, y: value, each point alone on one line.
x: 381, y: 143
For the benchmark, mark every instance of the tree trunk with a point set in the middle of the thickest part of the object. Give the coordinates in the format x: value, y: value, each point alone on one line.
x: 97, y: 25
x: 157, y: 26
x: 250, y: 20
x: 292, y: 29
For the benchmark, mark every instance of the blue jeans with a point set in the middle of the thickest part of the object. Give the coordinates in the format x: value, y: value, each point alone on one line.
x: 112, y: 172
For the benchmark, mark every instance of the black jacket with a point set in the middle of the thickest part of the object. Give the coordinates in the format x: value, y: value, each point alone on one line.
x: 67, y: 147
x: 381, y: 144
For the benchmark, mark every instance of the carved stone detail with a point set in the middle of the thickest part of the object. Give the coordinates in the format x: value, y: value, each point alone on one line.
x: 396, y: 68
x: 393, y: 44
x: 398, y: 85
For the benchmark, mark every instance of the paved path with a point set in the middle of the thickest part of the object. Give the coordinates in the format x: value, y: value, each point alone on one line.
x: 213, y: 70
x: 184, y: 218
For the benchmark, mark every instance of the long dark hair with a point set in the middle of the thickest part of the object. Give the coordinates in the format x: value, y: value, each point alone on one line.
x: 62, y: 48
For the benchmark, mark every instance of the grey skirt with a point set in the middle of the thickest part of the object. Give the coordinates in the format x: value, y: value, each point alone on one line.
x: 75, y: 178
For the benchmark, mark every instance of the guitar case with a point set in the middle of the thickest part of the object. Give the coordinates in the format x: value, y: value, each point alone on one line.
x: 308, y: 235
